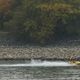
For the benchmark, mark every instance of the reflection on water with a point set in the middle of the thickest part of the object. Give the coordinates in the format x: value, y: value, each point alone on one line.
x: 38, y: 70
x: 40, y: 73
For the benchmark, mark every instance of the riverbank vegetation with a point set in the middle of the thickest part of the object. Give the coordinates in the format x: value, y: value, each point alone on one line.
x: 40, y: 21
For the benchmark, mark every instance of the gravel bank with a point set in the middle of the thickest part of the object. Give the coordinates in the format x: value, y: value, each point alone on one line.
x: 28, y: 52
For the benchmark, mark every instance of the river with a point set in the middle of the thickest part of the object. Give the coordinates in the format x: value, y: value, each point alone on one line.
x: 55, y: 72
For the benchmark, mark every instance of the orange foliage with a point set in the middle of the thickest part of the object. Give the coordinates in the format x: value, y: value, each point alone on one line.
x: 5, y: 5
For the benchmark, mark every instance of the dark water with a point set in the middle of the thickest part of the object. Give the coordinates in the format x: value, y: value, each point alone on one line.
x: 40, y: 73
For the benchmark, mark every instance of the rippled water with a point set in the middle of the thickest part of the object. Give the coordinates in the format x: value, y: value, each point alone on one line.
x: 39, y: 72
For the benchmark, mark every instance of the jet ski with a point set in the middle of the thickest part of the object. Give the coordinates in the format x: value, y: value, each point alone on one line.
x: 75, y: 60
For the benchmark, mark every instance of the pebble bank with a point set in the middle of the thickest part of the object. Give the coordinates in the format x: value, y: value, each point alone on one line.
x: 37, y: 52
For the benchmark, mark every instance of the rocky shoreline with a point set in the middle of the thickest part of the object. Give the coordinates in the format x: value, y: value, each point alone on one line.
x: 37, y: 52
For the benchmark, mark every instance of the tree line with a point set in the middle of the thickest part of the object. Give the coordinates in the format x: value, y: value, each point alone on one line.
x: 40, y: 21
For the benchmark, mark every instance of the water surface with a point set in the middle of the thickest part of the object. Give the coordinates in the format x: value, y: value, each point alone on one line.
x: 39, y: 73
x: 44, y: 72
x: 38, y: 70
